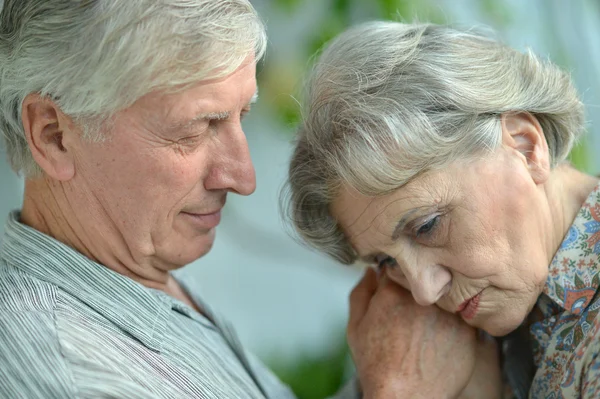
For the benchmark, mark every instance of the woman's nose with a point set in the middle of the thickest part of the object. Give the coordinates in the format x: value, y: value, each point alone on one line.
x: 427, y: 284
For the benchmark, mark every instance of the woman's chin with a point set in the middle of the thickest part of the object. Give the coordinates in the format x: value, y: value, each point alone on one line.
x: 501, y: 326
x: 499, y: 332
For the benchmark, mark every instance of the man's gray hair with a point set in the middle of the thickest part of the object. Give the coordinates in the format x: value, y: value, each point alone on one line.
x: 388, y: 101
x: 96, y: 57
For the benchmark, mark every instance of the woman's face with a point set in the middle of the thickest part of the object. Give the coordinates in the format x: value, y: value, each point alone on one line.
x: 471, y: 238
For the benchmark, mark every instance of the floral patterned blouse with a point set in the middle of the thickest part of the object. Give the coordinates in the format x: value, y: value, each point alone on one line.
x: 565, y: 339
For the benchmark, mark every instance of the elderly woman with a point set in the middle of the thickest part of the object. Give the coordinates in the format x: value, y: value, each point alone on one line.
x: 438, y: 156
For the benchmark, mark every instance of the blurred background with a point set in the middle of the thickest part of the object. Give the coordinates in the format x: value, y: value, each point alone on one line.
x: 288, y: 303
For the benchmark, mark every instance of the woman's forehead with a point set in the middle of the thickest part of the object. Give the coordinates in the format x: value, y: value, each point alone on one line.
x: 357, y: 213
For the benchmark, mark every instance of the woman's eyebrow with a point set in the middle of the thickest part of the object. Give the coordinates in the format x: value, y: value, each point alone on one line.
x: 368, y: 258
x: 406, y: 218
x: 402, y: 223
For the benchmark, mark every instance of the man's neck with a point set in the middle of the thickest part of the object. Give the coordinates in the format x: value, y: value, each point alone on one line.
x: 42, y: 211
x: 47, y: 209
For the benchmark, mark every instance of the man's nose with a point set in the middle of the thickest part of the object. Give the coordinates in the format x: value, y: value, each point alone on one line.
x: 232, y: 169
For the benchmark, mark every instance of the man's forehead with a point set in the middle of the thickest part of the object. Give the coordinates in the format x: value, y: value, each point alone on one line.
x: 199, y: 101
x: 208, y: 89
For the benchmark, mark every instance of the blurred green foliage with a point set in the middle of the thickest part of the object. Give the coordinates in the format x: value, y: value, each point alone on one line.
x: 313, y: 376
x: 579, y: 155
x: 287, y: 5
x: 498, y: 12
x: 407, y: 11
x: 336, y: 19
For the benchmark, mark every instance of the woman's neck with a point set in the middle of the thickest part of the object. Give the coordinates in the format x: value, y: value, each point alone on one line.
x: 566, y: 190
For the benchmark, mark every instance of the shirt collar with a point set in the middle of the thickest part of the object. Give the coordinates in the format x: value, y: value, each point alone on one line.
x: 136, y: 309
x: 574, y: 274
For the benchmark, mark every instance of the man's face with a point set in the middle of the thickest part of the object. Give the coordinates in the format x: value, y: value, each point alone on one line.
x: 159, y: 180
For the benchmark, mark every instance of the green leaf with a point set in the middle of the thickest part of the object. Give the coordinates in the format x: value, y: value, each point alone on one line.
x: 497, y: 11
x: 333, y: 27
x: 288, y: 6
x: 314, y: 376
x: 565, y: 332
x: 559, y: 291
x: 579, y: 155
x: 394, y: 8
x: 342, y: 8
x: 289, y: 112
x: 411, y: 10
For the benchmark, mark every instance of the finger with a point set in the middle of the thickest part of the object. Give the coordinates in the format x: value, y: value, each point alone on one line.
x: 389, y: 295
x: 391, y: 287
x: 361, y: 296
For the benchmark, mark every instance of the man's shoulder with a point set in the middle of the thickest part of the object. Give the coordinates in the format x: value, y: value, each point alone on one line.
x: 21, y: 292
x: 30, y: 354
x: 26, y: 312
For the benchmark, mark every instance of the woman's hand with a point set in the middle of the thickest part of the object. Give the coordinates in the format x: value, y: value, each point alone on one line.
x: 404, y: 350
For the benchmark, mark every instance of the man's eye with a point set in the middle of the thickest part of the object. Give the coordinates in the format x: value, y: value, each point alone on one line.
x: 428, y: 226
x: 188, y: 140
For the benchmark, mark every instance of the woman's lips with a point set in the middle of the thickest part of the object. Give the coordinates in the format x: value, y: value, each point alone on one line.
x: 468, y: 308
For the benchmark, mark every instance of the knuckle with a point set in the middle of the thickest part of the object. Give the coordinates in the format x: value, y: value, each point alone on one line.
x: 354, y: 294
x: 350, y: 335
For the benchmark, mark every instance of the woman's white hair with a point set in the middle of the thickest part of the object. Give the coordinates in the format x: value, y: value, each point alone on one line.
x: 96, y: 57
x: 387, y: 101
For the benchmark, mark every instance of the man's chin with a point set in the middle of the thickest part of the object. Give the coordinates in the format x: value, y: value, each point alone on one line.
x: 185, y: 251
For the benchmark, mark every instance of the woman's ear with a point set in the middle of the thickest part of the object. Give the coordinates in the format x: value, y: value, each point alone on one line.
x: 522, y: 132
x: 48, y: 131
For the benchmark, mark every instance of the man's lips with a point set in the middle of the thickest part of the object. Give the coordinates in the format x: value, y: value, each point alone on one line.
x: 207, y: 220
x: 469, y: 308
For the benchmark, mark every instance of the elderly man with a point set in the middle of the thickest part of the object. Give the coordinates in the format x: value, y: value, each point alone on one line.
x: 125, y: 119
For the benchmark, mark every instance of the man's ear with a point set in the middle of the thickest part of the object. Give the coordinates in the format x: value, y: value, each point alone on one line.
x: 48, y: 132
x: 523, y: 133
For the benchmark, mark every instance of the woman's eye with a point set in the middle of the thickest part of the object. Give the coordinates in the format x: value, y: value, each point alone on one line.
x: 428, y: 227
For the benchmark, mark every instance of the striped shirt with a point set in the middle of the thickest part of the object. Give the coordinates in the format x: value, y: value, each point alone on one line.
x: 72, y: 328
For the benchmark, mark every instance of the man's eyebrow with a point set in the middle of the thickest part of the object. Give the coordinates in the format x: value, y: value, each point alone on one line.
x: 210, y: 116
x: 188, y: 124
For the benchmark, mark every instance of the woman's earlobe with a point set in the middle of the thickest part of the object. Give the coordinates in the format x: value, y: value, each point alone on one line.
x: 45, y: 134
